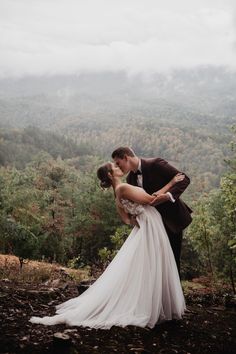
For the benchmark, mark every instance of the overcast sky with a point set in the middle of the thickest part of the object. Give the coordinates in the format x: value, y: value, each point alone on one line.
x: 139, y: 36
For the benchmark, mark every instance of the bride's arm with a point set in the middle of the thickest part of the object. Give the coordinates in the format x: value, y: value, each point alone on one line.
x: 133, y: 193
x: 177, y: 178
x: 162, y: 195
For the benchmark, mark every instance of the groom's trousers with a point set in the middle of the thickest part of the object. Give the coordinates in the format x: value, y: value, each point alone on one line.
x: 175, y: 242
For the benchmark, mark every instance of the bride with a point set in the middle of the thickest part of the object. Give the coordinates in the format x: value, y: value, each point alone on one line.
x: 141, y: 285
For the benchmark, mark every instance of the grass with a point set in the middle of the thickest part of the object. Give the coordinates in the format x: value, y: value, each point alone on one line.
x: 37, y: 272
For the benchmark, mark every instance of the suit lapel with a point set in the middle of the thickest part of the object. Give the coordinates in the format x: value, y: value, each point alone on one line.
x: 131, y: 179
x: 144, y: 165
x: 150, y: 183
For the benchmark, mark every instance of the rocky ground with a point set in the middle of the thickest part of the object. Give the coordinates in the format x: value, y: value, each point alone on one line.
x: 207, y: 327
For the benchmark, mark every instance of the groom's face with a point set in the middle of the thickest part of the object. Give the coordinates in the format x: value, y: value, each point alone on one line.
x: 123, y: 164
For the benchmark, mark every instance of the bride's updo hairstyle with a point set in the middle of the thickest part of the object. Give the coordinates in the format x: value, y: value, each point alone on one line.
x: 102, y: 174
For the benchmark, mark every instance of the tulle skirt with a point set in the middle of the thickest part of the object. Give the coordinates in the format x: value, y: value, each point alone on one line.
x: 140, y: 287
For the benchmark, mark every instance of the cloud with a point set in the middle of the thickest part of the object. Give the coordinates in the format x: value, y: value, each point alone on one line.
x: 137, y: 36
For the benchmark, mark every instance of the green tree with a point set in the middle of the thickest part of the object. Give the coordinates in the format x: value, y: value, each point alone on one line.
x: 213, y: 231
x: 201, y: 233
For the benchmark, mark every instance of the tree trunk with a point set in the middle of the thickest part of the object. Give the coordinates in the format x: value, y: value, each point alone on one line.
x: 21, y: 260
x: 208, y: 252
x: 231, y: 272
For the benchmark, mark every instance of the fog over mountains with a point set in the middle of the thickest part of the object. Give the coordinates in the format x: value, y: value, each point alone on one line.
x: 189, y: 97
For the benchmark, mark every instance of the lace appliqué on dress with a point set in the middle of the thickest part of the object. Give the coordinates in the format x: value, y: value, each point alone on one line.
x: 131, y: 207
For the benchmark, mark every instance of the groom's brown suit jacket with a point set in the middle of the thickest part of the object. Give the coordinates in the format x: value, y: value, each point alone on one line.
x: 156, y: 174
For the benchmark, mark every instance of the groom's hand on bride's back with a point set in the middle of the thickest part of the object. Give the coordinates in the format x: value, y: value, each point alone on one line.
x: 160, y: 198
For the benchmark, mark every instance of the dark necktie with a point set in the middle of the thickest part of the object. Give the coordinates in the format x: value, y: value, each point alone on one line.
x: 137, y: 173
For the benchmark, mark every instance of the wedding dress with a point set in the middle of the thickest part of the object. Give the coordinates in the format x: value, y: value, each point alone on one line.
x: 140, y: 287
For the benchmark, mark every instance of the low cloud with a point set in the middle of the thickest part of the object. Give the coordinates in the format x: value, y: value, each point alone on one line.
x: 137, y: 36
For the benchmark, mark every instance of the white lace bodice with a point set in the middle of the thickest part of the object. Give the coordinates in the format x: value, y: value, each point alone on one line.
x: 132, y: 207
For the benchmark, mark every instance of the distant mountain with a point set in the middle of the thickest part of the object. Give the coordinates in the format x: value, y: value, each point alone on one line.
x: 181, y: 97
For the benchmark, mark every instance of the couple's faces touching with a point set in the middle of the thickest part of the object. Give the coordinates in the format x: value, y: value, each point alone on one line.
x: 123, y: 164
x: 116, y: 171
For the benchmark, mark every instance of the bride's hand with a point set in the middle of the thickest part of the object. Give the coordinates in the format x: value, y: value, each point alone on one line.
x: 177, y: 178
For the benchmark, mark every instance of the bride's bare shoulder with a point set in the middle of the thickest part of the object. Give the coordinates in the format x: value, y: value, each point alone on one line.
x: 122, y: 189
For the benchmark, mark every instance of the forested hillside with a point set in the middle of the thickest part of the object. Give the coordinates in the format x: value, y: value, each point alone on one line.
x: 19, y: 146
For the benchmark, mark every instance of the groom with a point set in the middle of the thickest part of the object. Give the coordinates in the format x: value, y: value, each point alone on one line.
x: 152, y: 174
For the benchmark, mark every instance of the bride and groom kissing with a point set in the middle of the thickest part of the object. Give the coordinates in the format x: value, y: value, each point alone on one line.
x: 141, y: 286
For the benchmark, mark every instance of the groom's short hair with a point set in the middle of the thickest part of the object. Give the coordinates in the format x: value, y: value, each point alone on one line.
x: 121, y: 151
